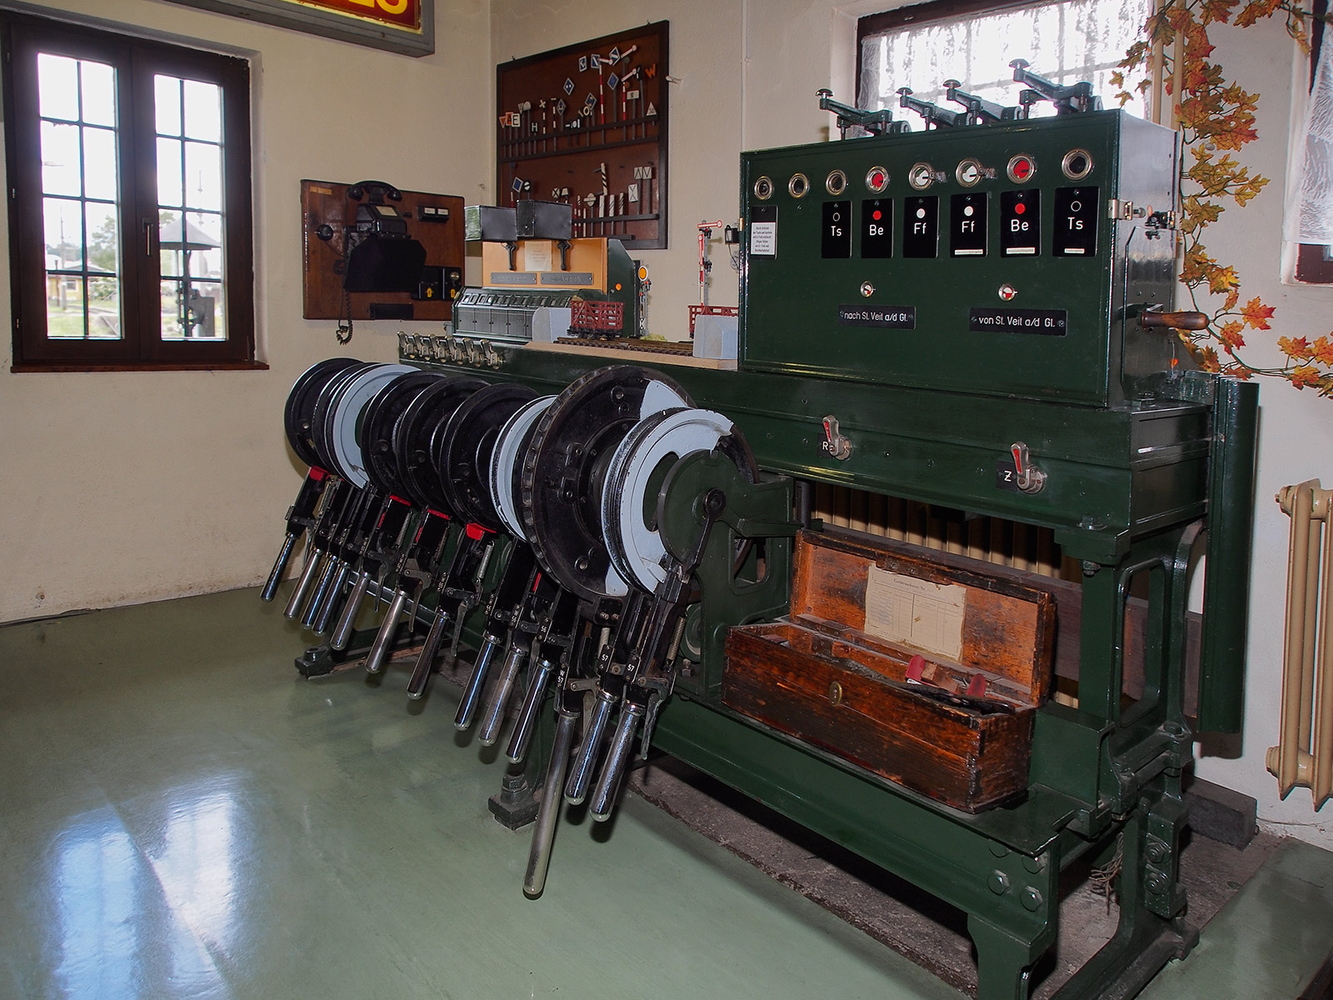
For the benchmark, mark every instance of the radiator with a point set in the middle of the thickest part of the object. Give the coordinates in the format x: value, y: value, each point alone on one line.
x: 1304, y: 755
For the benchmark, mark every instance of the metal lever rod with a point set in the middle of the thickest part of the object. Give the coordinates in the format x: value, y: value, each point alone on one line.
x: 332, y: 600
x: 455, y: 598
x: 494, y: 718
x: 342, y: 632
x: 934, y: 115
x: 548, y: 813
x: 554, y: 641
x: 313, y: 558
x: 617, y: 759
x: 979, y: 110
x: 425, y: 548
x: 384, y: 637
x: 300, y: 516
x: 506, y: 605
x: 875, y: 122
x: 580, y: 777
x: 1074, y: 99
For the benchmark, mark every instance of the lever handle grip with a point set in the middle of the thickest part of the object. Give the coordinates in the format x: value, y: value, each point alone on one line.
x: 576, y: 789
x: 321, y: 591
x: 342, y: 632
x: 526, y: 722
x: 476, y: 682
x: 297, y: 600
x: 279, y: 567
x: 1182, y: 320
x: 617, y: 758
x: 548, y: 814
x: 333, y: 599
x: 416, y: 684
x: 379, y: 649
x: 494, y: 718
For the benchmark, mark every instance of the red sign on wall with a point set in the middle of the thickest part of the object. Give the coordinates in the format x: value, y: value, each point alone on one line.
x: 402, y: 13
x: 406, y: 26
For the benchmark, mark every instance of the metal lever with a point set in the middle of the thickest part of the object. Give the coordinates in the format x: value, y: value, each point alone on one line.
x: 331, y: 569
x: 504, y: 684
x: 617, y: 758
x: 294, y: 604
x: 527, y: 714
x: 279, y: 567
x: 548, y: 814
x: 933, y: 114
x: 342, y: 632
x: 875, y: 122
x: 332, y: 600
x: 1074, y: 99
x: 576, y: 789
x: 979, y: 110
x: 1027, y: 477
x: 384, y: 637
x: 476, y: 683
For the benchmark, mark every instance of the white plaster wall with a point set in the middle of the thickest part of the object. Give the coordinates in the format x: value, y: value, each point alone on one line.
x: 124, y: 487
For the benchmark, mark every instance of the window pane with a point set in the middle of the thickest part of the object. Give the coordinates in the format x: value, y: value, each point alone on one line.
x: 64, y: 234
x: 99, y: 93
x: 203, y: 176
x: 103, y: 309
x: 191, y: 271
x: 64, y: 308
x: 167, y: 97
x: 170, y: 184
x: 103, y: 238
x: 57, y: 87
x: 60, y: 159
x: 99, y: 163
x: 203, y: 111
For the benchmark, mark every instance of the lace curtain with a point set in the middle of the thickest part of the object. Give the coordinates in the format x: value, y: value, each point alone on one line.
x: 1066, y: 42
x: 1310, y: 213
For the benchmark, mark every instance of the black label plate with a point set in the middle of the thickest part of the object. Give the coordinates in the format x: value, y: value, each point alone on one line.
x: 888, y: 317
x: 1046, y: 322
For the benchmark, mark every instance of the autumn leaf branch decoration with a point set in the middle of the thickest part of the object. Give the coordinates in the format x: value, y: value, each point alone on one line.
x: 1216, y: 118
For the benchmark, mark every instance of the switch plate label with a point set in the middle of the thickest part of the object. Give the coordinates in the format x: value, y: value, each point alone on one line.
x: 1020, y: 223
x: 1076, y: 221
x: 967, y: 224
x: 890, y: 317
x: 1045, y: 322
x: 876, y: 228
x: 921, y: 226
x: 836, y: 236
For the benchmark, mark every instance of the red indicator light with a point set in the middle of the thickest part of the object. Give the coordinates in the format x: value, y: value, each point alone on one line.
x: 877, y: 215
x: 1020, y: 208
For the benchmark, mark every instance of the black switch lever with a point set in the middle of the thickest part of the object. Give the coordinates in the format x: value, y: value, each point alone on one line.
x: 935, y: 116
x: 1074, y: 99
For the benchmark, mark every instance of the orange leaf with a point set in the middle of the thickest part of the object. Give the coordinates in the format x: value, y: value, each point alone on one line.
x: 1297, y: 349
x: 1256, y: 314
x: 1303, y: 376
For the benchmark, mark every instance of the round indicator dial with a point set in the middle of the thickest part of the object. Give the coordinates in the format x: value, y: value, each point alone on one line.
x: 763, y: 188
x: 877, y: 179
x: 921, y: 176
x: 1077, y: 164
x: 798, y: 185
x: 836, y: 182
x: 1021, y: 168
x: 969, y: 172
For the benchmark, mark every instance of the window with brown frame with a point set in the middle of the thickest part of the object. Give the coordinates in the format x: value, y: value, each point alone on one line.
x: 129, y: 201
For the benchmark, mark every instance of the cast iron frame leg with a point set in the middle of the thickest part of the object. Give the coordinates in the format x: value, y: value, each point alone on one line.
x: 1004, y: 962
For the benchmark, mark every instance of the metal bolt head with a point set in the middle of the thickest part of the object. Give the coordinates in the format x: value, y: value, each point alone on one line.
x: 835, y: 693
x: 1031, y: 899
x: 1158, y: 883
x: 998, y: 883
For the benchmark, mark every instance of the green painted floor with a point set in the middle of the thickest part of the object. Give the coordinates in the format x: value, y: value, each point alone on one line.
x: 182, y: 816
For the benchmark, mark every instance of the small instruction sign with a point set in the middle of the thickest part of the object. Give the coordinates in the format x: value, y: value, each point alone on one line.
x: 1044, y: 322
x: 890, y: 317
